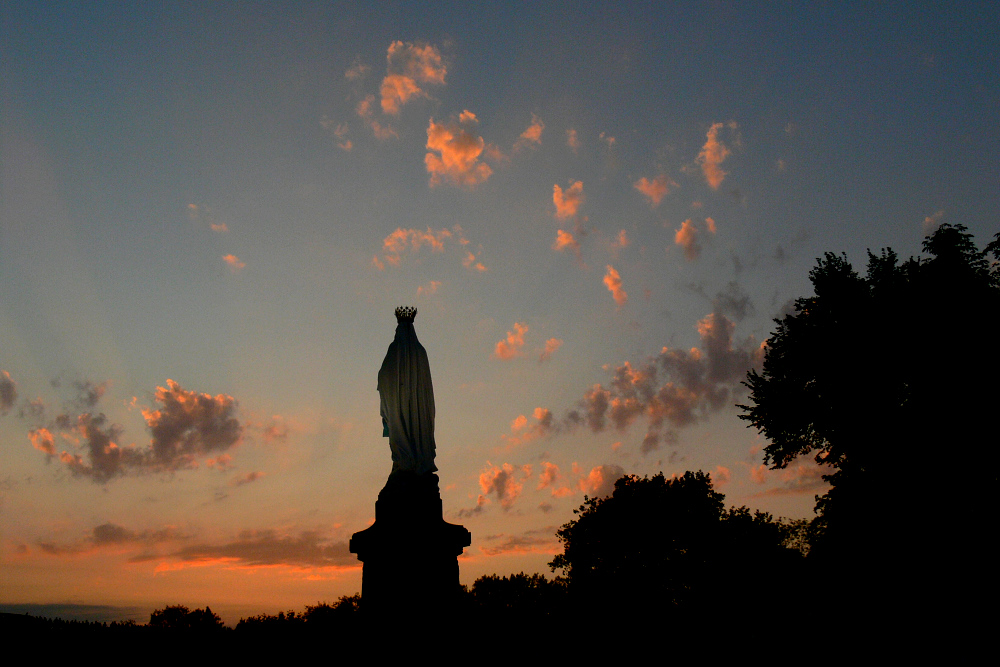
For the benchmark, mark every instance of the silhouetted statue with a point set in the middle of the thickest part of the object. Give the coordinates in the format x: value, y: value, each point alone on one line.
x: 410, y: 553
x: 407, y: 399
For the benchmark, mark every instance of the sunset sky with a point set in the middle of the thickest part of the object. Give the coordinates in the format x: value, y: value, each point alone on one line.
x: 208, y: 212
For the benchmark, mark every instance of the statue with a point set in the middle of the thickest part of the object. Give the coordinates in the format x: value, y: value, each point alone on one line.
x: 410, y: 553
x: 407, y: 400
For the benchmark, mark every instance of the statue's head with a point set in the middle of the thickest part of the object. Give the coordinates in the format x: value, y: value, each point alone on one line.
x: 405, y: 314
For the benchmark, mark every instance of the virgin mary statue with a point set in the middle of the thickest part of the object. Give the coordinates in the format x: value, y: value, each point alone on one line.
x: 407, y: 400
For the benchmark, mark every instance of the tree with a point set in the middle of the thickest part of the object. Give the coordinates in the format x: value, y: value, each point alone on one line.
x: 660, y: 546
x: 881, y: 378
x: 178, y: 617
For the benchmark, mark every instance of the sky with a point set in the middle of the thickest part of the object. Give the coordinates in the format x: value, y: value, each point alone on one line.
x: 209, y: 212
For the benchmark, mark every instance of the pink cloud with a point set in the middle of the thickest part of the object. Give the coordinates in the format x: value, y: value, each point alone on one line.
x: 720, y: 476
x: 454, y: 153
x: 568, y: 203
x: 401, y: 241
x: 551, y: 345
x: 511, y: 346
x: 43, y: 440
x: 613, y: 281
x: 712, y: 154
x: 600, y: 481
x: 654, y: 190
x: 522, y: 432
x: 759, y: 474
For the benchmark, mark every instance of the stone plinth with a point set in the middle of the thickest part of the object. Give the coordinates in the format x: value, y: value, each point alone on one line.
x: 410, y: 553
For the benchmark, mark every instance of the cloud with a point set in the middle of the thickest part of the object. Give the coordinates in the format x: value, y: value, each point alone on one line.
x: 932, y: 222
x: 234, y: 262
x: 713, y: 154
x: 248, y: 478
x: 357, y: 70
x: 429, y: 289
x: 503, y: 482
x: 614, y: 284
x: 800, y: 479
x: 409, y: 65
x: 600, y: 482
x: 266, y: 547
x: 43, y: 440
x: 687, y: 237
x: 608, y: 139
x: 539, y: 540
x: 720, y: 476
x: 472, y: 263
x: 522, y: 432
x: 366, y: 112
x: 674, y: 389
x: 88, y: 393
x: 621, y: 241
x: 105, y: 458
x: 453, y: 153
x: 734, y: 302
x: 565, y: 241
x: 532, y: 136
x: 189, y: 425
x: 551, y: 345
x: 339, y: 131
x: 8, y: 392
x: 549, y: 478
x: 571, y: 139
x: 654, y: 190
x: 759, y: 474
x: 511, y: 346
x: 413, y: 240
x: 568, y: 202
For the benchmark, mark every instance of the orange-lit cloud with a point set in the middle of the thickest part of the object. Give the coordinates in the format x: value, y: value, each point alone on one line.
x: 759, y: 474
x: 565, y: 241
x: 511, y: 346
x: 613, y: 281
x: 234, y: 262
x: 43, y: 440
x: 687, y: 238
x: 654, y: 190
x: 503, y: 482
x: 365, y: 109
x: 675, y: 389
x: 339, y: 131
x: 266, y: 547
x: 932, y: 222
x: 453, y: 153
x: 621, y: 241
x: 712, y: 154
x: 472, y: 263
x: 522, y: 432
x: 401, y: 241
x: 540, y: 540
x: 356, y: 71
x: 531, y: 136
x: 568, y: 202
x: 551, y: 345
x: 409, y: 65
x: 600, y: 481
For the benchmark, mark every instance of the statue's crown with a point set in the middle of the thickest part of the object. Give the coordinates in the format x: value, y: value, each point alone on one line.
x: 405, y: 314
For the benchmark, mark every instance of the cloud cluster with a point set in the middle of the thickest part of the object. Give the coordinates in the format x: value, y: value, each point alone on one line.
x: 713, y: 154
x: 188, y: 425
x: 600, y: 481
x: 613, y: 282
x: 655, y: 190
x: 408, y: 66
x: 566, y: 241
x: 454, y: 152
x: 512, y: 345
x: 551, y: 345
x: 8, y: 392
x: 674, y: 389
x: 412, y: 240
x: 185, y: 426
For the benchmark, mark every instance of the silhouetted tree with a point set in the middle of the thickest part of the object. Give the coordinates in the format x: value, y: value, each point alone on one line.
x: 178, y: 617
x: 658, y: 546
x: 523, y: 599
x: 881, y: 378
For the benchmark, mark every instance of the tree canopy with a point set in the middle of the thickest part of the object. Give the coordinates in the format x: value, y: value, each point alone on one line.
x: 887, y: 380
x: 667, y: 544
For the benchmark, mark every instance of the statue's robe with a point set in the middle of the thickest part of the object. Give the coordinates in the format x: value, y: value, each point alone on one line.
x: 407, y: 403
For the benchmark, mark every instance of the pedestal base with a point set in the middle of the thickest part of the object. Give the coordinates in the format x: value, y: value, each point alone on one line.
x: 410, y: 553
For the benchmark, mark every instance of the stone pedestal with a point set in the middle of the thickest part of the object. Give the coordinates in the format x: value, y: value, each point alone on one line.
x: 410, y: 553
